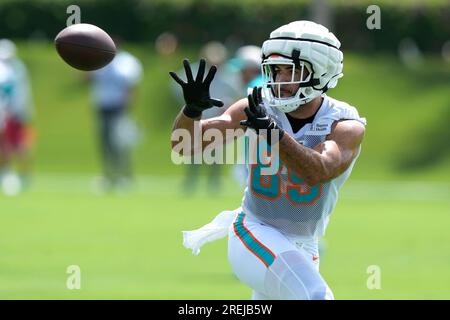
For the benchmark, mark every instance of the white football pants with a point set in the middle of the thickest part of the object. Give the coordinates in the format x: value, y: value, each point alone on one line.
x: 272, y: 265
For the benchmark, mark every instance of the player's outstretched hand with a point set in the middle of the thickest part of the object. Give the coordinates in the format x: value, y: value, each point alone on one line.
x: 257, y: 118
x: 196, y: 91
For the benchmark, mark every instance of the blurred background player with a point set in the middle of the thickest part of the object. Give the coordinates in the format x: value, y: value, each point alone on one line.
x: 247, y: 63
x: 113, y: 90
x: 17, y: 106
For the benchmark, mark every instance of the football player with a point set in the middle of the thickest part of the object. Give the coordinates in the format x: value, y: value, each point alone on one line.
x: 273, y: 237
x: 16, y: 140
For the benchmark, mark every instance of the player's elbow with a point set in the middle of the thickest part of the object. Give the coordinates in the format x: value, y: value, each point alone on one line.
x: 182, y: 150
x: 325, y: 172
x: 185, y: 148
x: 313, y: 180
x: 175, y: 147
x: 181, y: 141
x: 318, y: 176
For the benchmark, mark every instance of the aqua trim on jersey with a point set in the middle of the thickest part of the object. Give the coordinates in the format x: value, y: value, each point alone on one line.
x: 249, y: 240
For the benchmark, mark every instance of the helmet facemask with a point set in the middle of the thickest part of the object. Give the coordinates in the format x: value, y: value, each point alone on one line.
x: 301, y: 75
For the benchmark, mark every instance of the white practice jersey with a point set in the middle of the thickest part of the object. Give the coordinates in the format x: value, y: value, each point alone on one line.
x: 283, y: 200
x: 5, y: 91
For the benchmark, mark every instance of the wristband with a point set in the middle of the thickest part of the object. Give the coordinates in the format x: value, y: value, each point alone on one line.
x: 191, y: 113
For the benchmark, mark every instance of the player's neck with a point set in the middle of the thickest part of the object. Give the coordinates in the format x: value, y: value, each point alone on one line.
x: 308, y: 109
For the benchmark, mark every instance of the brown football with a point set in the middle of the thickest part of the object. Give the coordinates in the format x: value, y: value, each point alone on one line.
x: 85, y: 46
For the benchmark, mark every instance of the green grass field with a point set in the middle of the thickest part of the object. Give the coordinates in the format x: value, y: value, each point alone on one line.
x: 393, y: 212
x: 130, y: 246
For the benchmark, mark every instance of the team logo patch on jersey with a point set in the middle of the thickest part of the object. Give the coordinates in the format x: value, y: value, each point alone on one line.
x: 320, y: 128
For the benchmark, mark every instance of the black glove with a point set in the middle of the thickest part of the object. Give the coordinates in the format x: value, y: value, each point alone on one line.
x: 257, y: 117
x: 196, y: 92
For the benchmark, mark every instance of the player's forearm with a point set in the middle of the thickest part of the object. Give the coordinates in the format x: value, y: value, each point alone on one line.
x: 306, y: 163
x: 183, y: 124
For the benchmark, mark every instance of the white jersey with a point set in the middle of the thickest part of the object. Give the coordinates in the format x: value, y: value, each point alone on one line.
x: 283, y: 200
x: 21, y: 104
x: 5, y: 89
x: 113, y: 82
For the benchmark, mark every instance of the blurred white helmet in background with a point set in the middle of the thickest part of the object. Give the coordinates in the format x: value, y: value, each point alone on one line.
x: 214, y: 52
x: 249, y: 56
x: 7, y: 49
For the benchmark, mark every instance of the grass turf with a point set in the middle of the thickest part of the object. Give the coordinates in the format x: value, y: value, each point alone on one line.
x: 130, y: 246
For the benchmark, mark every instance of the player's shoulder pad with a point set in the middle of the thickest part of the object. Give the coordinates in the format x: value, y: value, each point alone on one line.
x: 340, y: 110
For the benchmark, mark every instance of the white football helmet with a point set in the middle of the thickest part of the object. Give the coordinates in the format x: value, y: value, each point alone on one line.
x: 301, y: 45
x: 7, y: 49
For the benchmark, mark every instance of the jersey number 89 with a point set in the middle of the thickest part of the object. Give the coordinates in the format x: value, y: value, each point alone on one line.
x: 297, y: 192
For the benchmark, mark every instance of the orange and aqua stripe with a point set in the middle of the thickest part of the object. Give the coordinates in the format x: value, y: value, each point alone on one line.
x: 249, y: 240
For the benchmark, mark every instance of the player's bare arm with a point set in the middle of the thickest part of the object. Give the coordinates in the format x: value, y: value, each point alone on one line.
x: 328, y: 159
x: 230, y: 119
